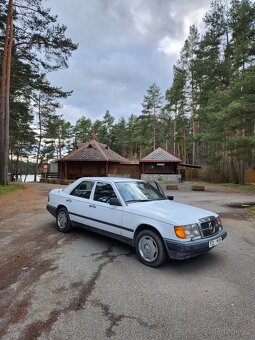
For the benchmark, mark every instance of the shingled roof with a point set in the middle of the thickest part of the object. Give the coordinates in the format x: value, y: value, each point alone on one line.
x: 161, y: 155
x: 94, y: 151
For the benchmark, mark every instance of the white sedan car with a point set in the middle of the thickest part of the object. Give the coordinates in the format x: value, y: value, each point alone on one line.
x: 137, y: 213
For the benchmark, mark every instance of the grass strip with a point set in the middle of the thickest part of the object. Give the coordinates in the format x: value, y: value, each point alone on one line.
x: 252, y: 211
x: 239, y: 187
x: 10, y: 188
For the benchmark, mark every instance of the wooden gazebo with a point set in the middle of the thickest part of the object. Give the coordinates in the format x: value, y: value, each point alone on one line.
x: 160, y: 163
x: 95, y: 159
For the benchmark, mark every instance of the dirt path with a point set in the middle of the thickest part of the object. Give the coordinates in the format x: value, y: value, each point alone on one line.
x: 26, y: 236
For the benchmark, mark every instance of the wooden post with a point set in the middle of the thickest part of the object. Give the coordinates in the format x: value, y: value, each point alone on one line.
x: 65, y: 175
x: 106, y: 169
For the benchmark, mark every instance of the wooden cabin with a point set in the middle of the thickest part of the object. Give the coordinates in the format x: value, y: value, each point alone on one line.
x: 94, y: 159
x: 160, y: 164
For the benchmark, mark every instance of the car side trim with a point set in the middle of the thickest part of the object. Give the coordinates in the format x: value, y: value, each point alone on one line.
x: 100, y: 221
x: 106, y: 233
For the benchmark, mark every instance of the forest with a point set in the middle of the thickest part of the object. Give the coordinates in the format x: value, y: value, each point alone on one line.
x: 206, y: 116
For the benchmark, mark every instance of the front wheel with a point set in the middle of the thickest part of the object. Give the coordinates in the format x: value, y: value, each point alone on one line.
x: 150, y: 248
x: 63, y: 222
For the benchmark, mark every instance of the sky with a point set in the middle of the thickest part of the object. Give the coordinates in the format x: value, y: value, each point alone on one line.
x: 124, y: 47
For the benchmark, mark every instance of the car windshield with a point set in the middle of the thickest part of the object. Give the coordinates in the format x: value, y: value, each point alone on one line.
x: 133, y: 192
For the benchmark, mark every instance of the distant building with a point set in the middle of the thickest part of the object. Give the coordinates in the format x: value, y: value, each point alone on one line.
x: 160, y: 165
x: 95, y: 159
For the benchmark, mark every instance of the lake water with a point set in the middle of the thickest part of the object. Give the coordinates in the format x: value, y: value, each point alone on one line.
x: 30, y: 178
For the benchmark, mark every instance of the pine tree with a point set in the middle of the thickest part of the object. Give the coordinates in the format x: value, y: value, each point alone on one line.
x: 152, y: 104
x: 82, y: 130
x: 133, y: 136
x: 45, y: 100
x: 5, y: 96
x: 176, y: 105
x: 119, y: 137
x: 227, y: 117
x: 188, y: 61
x: 57, y: 137
x: 213, y: 70
x: 210, y: 62
x: 38, y: 40
x: 103, y: 129
x: 242, y: 24
x: 22, y: 136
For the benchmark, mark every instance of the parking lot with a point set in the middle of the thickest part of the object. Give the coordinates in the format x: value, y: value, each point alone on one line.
x: 85, y: 286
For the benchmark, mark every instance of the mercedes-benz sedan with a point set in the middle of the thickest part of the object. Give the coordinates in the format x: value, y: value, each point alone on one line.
x: 137, y: 213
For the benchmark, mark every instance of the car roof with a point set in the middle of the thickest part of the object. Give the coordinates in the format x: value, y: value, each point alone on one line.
x: 112, y: 179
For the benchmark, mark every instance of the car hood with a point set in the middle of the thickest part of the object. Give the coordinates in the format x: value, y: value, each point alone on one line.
x: 169, y: 212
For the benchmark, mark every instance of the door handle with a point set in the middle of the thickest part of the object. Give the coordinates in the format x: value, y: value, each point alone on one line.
x: 68, y: 200
x: 92, y: 206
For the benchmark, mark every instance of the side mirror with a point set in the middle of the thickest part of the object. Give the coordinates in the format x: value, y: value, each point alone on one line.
x: 171, y: 198
x: 114, y: 201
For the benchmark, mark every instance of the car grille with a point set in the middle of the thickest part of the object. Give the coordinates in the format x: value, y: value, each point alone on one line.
x: 209, y: 226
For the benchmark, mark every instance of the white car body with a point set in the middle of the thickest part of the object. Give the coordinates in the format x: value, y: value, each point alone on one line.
x: 127, y: 219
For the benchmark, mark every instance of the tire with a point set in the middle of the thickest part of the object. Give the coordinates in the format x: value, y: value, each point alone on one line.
x: 150, y: 248
x: 63, y: 222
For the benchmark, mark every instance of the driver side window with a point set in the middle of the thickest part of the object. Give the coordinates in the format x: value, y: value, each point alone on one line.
x: 104, y: 192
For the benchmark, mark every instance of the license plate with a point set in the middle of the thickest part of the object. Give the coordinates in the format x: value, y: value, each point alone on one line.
x: 216, y: 242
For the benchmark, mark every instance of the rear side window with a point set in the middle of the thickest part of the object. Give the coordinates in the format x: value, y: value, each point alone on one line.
x: 83, y: 189
x: 103, y: 192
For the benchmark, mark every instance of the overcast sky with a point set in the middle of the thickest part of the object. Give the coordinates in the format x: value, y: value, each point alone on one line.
x: 124, y: 47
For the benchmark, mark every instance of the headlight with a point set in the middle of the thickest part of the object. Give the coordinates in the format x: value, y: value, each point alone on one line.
x: 218, y: 221
x: 187, y: 231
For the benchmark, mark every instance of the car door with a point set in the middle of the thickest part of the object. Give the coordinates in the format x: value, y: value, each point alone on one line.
x: 102, y: 215
x: 78, y: 202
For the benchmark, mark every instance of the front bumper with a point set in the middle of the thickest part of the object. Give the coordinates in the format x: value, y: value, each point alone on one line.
x: 184, y: 250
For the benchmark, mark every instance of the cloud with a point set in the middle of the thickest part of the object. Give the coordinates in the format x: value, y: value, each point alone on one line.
x: 194, y: 18
x: 143, y: 19
x: 124, y: 47
x: 73, y: 113
x: 170, y: 46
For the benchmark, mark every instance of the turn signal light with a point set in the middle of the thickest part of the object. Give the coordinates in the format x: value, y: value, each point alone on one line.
x: 180, y: 231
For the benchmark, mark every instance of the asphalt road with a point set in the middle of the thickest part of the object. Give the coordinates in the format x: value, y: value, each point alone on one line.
x: 84, y: 286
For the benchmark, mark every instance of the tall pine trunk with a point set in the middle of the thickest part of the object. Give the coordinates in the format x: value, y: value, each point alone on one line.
x: 59, y: 144
x: 40, y: 138
x: 5, y: 97
x: 7, y: 100
x: 193, y: 120
x: 154, y: 128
